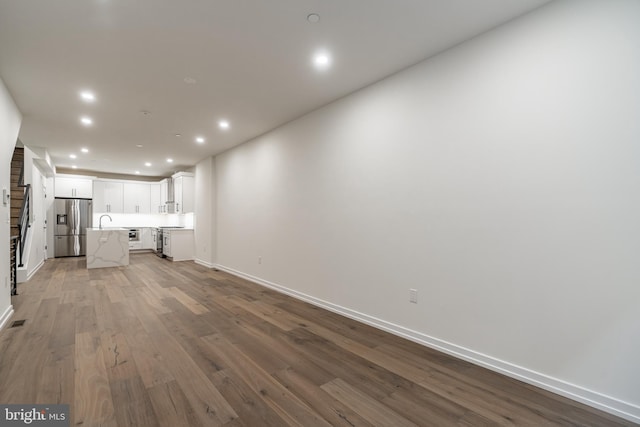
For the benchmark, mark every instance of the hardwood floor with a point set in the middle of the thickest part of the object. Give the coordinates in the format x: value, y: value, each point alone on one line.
x: 177, y: 344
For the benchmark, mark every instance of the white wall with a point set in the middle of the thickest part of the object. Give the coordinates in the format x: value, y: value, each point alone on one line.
x: 37, y: 215
x: 10, y: 119
x: 51, y: 216
x: 500, y: 179
x: 205, y: 212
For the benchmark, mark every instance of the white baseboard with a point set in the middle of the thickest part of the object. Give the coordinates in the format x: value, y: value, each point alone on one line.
x: 24, y: 275
x: 204, y: 263
x: 35, y: 270
x: 594, y: 399
x: 4, y: 319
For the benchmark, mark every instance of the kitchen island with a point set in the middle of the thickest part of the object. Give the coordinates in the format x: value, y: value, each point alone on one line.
x: 107, y: 247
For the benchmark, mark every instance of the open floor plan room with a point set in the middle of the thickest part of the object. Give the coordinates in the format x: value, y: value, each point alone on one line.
x: 178, y: 344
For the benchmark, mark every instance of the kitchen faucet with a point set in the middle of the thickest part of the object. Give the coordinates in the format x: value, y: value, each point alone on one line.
x: 100, y: 221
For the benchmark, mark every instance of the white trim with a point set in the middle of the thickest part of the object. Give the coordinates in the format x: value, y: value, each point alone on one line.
x: 204, y: 263
x: 6, y: 316
x: 35, y: 270
x: 594, y: 399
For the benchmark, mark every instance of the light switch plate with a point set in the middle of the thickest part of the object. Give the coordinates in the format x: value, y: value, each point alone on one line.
x: 5, y: 197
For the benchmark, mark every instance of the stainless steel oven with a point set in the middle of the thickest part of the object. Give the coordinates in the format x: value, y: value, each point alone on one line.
x: 134, y: 234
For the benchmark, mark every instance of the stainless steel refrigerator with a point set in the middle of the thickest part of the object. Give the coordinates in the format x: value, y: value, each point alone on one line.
x: 73, y: 216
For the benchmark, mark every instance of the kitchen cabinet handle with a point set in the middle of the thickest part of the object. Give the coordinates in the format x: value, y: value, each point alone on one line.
x: 177, y: 207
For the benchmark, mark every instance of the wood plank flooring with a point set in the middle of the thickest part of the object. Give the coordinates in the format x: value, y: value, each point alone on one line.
x: 176, y: 344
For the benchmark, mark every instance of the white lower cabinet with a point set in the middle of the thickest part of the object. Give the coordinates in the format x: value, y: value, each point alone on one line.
x: 178, y: 244
x: 148, y: 239
x: 166, y: 244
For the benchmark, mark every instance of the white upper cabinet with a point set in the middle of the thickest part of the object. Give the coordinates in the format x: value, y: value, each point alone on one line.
x: 81, y: 188
x: 155, y: 197
x: 184, y: 192
x: 108, y: 197
x: 164, y: 191
x: 137, y: 198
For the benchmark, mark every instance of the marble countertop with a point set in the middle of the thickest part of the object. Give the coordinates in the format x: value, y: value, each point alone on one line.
x: 107, y: 247
x: 108, y: 229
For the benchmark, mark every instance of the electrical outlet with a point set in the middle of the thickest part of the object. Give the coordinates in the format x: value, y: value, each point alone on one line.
x: 413, y: 296
x: 259, y: 260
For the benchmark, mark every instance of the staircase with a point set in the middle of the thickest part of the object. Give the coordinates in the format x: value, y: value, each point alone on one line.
x: 17, y: 192
x: 16, y: 201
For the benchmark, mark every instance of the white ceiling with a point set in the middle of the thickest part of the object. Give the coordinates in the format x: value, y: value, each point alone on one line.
x: 251, y: 60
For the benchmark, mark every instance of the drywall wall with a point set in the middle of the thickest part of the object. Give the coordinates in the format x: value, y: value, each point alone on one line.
x: 499, y: 179
x: 204, y: 218
x: 38, y: 213
x: 10, y: 119
x: 51, y: 218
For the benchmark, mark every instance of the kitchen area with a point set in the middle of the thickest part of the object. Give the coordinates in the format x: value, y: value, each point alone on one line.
x: 106, y: 220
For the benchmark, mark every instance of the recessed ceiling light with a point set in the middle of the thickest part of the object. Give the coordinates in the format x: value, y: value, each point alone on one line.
x: 223, y: 124
x: 139, y: 145
x: 200, y: 140
x: 74, y: 167
x: 137, y: 172
x: 321, y: 60
x: 313, y: 18
x: 178, y: 135
x: 190, y: 80
x: 87, y: 96
x: 169, y: 160
x: 86, y: 121
x: 72, y: 156
x: 84, y: 150
x: 145, y: 113
x: 147, y: 164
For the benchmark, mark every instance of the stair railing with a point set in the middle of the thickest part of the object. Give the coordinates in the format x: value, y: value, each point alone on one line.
x: 23, y: 221
x: 14, y: 265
